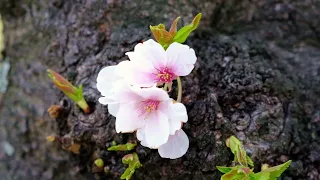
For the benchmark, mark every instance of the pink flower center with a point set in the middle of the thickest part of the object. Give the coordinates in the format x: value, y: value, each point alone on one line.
x: 147, y: 107
x: 165, y: 75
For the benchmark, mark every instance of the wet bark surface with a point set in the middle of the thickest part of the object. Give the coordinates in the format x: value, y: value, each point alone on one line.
x: 256, y: 77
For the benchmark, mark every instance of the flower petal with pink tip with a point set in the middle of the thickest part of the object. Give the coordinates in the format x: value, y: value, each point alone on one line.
x: 150, y: 64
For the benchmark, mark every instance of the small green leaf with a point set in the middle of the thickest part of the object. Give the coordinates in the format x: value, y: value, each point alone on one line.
x: 127, y: 158
x: 249, y: 160
x: 134, y: 163
x: 234, y: 175
x: 182, y: 35
x: 273, y: 172
x: 262, y: 176
x: 240, y: 154
x: 127, y: 174
x: 245, y: 170
x: 122, y: 147
x: 224, y: 169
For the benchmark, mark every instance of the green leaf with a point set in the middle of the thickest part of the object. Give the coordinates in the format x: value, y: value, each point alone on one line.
x: 182, y: 35
x: 224, y: 169
x: 274, y: 172
x: 122, y: 147
x: 134, y: 163
x: 234, y: 175
x: 245, y: 170
x: 240, y: 154
x: 1, y: 38
x: 173, y: 28
x: 249, y: 160
x: 127, y: 174
x: 262, y: 176
x: 127, y: 158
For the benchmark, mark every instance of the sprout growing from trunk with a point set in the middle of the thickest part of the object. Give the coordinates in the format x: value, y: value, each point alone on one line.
x: 74, y: 93
x: 244, y: 168
x: 165, y: 38
x: 133, y: 161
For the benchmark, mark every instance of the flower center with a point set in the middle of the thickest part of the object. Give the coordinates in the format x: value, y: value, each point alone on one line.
x: 165, y: 75
x: 147, y: 107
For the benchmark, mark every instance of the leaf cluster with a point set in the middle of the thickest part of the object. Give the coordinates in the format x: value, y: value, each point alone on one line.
x: 244, y: 169
x: 165, y: 38
x: 132, y: 160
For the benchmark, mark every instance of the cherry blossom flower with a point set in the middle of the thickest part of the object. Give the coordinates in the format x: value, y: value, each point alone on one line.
x: 135, y: 108
x: 176, y: 113
x: 176, y: 146
x: 150, y: 64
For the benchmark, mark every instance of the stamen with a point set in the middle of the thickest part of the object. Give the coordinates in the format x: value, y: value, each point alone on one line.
x: 147, y: 107
x: 165, y: 75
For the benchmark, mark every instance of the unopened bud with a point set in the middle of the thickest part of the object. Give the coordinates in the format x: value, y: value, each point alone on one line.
x: 99, y: 163
x: 54, y: 111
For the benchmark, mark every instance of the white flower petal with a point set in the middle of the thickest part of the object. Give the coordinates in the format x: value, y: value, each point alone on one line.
x: 149, y: 51
x: 156, y: 130
x: 183, y: 69
x: 141, y: 78
x: 145, y: 61
x: 113, y: 109
x: 178, y: 111
x: 174, y: 125
x: 176, y: 146
x: 128, y: 119
x: 140, y: 73
x: 106, y: 79
x: 181, y: 58
x: 140, y: 134
x: 141, y: 137
x: 107, y: 100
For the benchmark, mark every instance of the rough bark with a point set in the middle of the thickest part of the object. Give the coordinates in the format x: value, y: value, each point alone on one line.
x: 256, y: 77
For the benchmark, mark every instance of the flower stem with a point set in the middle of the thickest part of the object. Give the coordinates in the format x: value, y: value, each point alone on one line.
x: 84, y: 106
x: 165, y: 87
x: 179, y: 89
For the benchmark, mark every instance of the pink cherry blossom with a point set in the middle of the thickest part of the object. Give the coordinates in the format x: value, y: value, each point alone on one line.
x: 150, y: 64
x: 137, y: 108
x: 176, y: 113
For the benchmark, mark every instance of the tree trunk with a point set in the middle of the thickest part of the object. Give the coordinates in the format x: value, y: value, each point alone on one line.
x: 257, y: 77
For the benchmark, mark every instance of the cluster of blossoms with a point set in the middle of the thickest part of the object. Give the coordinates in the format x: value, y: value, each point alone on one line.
x: 136, y: 91
x: 130, y: 90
